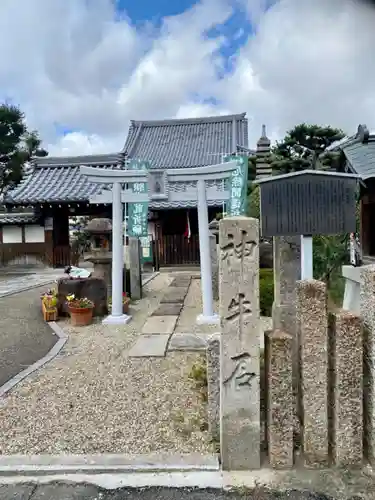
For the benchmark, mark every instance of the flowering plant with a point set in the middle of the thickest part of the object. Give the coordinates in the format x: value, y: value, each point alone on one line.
x: 49, y: 298
x: 82, y: 303
x: 124, y: 299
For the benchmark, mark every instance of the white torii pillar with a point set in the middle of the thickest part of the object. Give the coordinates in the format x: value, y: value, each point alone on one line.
x: 117, y: 197
x: 201, y: 195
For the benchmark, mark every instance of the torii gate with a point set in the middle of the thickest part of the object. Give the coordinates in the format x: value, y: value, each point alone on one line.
x: 157, y: 189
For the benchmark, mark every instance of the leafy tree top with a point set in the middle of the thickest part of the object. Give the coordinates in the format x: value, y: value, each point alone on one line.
x: 17, y: 146
x: 301, y: 147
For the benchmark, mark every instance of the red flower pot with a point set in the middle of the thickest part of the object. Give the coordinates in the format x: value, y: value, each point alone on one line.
x: 81, y: 316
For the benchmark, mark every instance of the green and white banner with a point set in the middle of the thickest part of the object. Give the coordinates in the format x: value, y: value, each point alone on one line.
x: 237, y: 203
x: 138, y: 213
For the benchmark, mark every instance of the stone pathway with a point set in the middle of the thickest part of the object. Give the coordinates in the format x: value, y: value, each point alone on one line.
x: 157, y: 331
x: 172, y: 325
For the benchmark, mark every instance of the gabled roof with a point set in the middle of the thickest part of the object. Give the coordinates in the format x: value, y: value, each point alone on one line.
x: 359, y: 151
x: 191, y: 142
x: 165, y: 144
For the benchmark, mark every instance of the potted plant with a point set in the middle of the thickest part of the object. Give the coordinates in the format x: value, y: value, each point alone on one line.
x: 125, y: 303
x: 49, y: 305
x: 81, y: 310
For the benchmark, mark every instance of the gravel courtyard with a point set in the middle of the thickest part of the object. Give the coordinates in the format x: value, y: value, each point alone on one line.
x: 93, y: 398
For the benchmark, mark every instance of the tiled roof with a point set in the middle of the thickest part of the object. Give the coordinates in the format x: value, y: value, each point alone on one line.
x: 190, y: 142
x: 166, y: 144
x: 361, y: 158
x: 17, y: 218
x: 359, y: 151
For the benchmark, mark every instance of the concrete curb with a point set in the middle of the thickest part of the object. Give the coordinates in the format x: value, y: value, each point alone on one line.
x: 52, y: 353
x: 36, y: 465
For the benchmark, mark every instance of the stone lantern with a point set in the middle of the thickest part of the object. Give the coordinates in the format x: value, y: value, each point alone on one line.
x: 100, y: 230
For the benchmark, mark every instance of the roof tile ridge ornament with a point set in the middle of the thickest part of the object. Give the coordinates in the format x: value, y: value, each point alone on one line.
x: 76, y: 161
x: 187, y: 121
x: 363, y: 133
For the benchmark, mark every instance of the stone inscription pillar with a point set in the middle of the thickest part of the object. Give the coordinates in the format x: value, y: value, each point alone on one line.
x: 280, y: 400
x: 313, y: 330
x: 215, y: 267
x: 239, y: 316
x: 135, y: 268
x: 346, y: 382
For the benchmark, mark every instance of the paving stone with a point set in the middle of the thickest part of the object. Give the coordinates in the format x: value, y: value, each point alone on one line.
x: 175, y: 295
x: 177, y: 282
x: 160, y: 324
x: 167, y: 310
x: 148, y: 346
x: 188, y: 342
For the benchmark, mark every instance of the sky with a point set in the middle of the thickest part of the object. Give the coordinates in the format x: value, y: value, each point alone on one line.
x: 82, y: 69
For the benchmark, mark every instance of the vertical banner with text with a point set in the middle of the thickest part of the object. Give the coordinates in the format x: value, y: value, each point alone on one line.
x: 237, y: 203
x: 138, y: 213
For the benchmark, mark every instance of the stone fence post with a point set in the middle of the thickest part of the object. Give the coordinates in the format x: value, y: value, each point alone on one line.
x: 346, y: 394
x: 240, y: 343
x: 280, y: 400
x: 367, y: 308
x: 312, y: 322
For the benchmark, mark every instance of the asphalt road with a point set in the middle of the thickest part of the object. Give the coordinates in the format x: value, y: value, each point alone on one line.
x: 62, y: 491
x: 24, y: 336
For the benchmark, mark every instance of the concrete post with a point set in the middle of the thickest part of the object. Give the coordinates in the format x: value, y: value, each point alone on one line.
x: 208, y: 316
x: 117, y: 316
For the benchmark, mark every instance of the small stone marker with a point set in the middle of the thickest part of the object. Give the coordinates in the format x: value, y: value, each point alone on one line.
x: 287, y: 271
x: 135, y: 268
x: 215, y: 267
x: 313, y: 330
x: 280, y: 399
x: 367, y: 306
x: 239, y: 357
x: 213, y: 379
x: 347, y: 409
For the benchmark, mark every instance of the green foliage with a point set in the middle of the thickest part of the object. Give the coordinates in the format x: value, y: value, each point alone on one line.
x: 301, y: 147
x: 266, y: 291
x: 329, y: 254
x: 253, y: 203
x: 17, y: 146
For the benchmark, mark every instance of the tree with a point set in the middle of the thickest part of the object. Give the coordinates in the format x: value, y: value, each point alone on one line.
x: 17, y: 146
x: 304, y: 147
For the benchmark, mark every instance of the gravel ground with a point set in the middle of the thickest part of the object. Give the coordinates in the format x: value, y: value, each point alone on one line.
x: 24, y: 336
x: 93, y: 399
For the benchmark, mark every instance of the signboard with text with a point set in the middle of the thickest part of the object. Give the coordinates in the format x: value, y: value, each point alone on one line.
x: 138, y: 213
x: 238, y: 186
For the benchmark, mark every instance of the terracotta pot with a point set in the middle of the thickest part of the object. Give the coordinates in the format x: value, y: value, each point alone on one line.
x: 81, y: 316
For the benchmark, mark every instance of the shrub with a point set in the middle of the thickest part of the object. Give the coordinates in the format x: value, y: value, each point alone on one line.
x: 266, y: 293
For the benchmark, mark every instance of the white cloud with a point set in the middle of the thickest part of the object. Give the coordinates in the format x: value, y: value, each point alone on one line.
x: 71, y: 62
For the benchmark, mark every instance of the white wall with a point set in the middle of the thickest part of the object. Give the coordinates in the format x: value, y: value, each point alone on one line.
x: 34, y: 234
x: 12, y: 234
